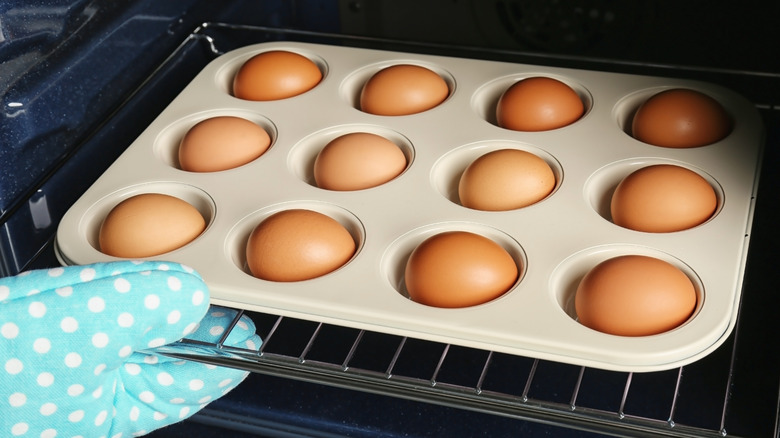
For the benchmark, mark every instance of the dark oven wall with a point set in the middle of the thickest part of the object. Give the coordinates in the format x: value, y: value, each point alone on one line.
x: 693, y: 33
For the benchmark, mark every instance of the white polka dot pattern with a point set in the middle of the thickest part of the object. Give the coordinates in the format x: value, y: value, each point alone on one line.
x: 75, y: 333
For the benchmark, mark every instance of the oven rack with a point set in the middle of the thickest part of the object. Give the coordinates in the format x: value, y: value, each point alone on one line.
x: 575, y: 396
x: 723, y: 394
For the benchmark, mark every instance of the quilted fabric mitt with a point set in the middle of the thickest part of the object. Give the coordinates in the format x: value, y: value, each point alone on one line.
x: 70, y: 349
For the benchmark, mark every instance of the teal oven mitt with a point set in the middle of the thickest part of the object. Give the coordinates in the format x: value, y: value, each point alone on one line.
x: 71, y: 342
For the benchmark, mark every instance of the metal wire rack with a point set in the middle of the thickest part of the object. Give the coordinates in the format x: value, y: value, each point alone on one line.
x: 671, y: 402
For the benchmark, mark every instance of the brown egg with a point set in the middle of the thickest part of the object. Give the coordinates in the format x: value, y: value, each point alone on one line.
x: 505, y: 179
x: 275, y: 75
x: 459, y: 269
x: 634, y: 296
x: 538, y: 104
x: 680, y: 118
x: 357, y: 161
x: 222, y: 143
x: 149, y: 224
x: 296, y: 245
x: 403, y: 89
x: 663, y: 198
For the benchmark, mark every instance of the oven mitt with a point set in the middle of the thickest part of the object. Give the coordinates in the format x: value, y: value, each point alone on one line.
x: 71, y: 341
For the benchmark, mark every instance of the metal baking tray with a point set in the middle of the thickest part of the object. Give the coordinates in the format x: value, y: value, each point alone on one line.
x: 554, y: 242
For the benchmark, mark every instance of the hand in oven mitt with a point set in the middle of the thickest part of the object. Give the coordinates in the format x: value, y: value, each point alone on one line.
x: 70, y: 342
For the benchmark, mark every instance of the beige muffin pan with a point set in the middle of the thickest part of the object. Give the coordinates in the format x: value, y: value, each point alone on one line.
x: 554, y: 242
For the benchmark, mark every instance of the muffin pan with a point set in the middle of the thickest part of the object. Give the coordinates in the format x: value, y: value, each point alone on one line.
x: 554, y: 242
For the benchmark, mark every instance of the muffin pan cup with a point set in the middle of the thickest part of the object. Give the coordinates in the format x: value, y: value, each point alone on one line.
x: 555, y: 241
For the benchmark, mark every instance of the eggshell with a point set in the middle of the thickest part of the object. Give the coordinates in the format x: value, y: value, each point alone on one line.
x: 538, y: 104
x: 634, y: 295
x: 296, y: 245
x: 403, y: 89
x: 221, y: 143
x: 357, y: 161
x: 274, y: 75
x: 149, y: 224
x: 505, y: 179
x: 663, y: 198
x: 680, y: 118
x: 459, y: 269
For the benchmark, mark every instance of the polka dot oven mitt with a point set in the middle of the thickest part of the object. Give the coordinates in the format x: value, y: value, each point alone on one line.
x: 71, y: 341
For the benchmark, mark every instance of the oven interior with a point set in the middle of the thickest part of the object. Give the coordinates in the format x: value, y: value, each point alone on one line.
x: 81, y: 79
